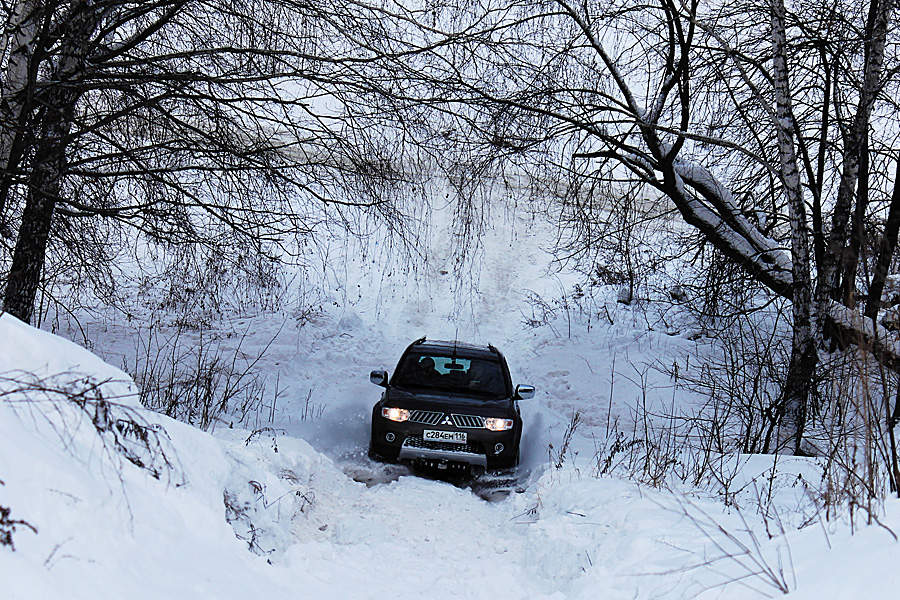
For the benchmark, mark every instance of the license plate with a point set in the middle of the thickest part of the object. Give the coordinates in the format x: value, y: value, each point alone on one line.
x: 453, y: 437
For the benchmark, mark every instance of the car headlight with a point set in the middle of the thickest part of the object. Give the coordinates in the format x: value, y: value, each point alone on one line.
x: 498, y: 424
x: 395, y: 414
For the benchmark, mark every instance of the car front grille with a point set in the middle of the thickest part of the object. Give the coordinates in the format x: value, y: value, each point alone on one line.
x: 468, y: 421
x: 429, y: 417
x: 414, y: 441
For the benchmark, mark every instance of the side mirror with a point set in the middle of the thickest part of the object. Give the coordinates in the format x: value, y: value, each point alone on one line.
x: 524, y: 392
x: 380, y: 377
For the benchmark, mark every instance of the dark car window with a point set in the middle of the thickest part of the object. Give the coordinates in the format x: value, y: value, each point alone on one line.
x: 479, y: 376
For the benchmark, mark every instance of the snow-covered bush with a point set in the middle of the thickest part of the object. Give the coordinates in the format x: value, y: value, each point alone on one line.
x: 741, y: 380
x: 72, y: 401
x: 199, y: 381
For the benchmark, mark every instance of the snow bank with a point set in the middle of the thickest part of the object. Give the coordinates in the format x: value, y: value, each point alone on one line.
x: 30, y: 354
x: 105, y: 527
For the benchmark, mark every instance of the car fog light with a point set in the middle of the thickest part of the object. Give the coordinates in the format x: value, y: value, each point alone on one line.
x: 498, y: 424
x: 498, y: 448
x: 390, y: 437
x: 395, y: 414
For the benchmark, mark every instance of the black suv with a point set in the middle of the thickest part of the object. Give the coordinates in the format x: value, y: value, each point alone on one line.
x: 449, y: 404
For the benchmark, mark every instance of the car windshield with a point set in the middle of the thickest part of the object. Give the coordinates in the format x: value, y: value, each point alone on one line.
x: 481, y: 376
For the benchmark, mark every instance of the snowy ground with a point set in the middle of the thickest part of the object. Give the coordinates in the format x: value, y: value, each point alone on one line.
x: 297, y: 508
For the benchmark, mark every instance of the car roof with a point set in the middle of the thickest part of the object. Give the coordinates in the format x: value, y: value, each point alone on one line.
x: 462, y: 348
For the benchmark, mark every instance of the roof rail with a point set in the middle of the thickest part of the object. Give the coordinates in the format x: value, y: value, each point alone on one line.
x: 415, y: 343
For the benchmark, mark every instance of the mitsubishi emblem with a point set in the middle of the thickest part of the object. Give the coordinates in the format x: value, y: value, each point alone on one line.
x: 447, y: 420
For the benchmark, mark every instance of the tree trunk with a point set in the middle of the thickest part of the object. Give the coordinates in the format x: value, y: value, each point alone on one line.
x: 857, y: 230
x: 49, y: 163
x: 34, y: 233
x: 886, y: 251
x: 801, y: 370
x: 876, y: 29
x: 18, y: 40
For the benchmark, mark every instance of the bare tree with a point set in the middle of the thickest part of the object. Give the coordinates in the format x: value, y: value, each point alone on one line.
x: 729, y: 112
x: 213, y: 123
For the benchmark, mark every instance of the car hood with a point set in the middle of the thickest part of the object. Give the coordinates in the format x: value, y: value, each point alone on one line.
x: 448, y: 401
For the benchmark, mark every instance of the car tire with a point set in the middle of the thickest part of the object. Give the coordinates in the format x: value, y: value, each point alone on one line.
x: 389, y: 457
x: 506, y: 465
x: 375, y: 455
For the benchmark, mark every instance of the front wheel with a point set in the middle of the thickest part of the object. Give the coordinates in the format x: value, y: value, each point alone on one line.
x: 508, y: 465
x: 388, y: 455
x: 372, y: 453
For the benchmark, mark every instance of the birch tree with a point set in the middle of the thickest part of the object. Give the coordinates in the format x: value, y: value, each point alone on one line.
x: 16, y: 47
x: 803, y: 349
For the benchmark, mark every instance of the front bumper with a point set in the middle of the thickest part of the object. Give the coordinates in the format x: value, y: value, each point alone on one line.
x: 415, y: 448
x: 403, y: 441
